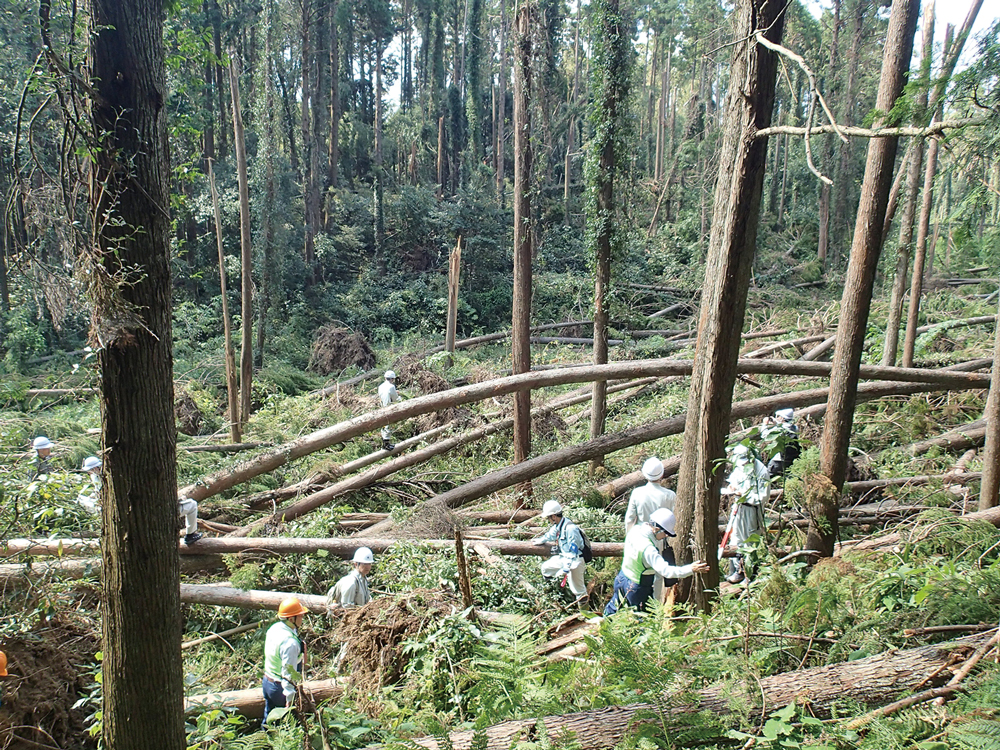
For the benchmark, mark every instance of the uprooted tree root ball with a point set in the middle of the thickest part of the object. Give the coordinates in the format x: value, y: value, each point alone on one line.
x: 335, y: 349
x: 373, y: 637
x: 51, y: 669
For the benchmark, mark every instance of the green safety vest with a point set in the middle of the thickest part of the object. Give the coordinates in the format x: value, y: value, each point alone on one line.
x: 636, y: 542
x: 276, y: 635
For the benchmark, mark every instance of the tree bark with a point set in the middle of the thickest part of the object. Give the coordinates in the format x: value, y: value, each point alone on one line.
x: 611, y: 74
x: 521, y: 317
x: 913, y: 174
x: 130, y: 202
x: 856, y: 300
x: 232, y: 387
x: 250, y: 703
x: 872, y: 681
x: 246, y: 255
x: 742, y: 163
x: 988, y: 493
x: 219, y: 482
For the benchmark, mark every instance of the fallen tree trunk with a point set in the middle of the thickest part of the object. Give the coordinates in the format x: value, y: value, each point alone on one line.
x: 779, y: 345
x: 534, y: 467
x: 345, y: 547
x: 250, y: 703
x: 872, y: 681
x: 18, y: 573
x: 887, y: 541
x: 314, y: 484
x: 222, y: 447
x: 971, y: 435
x: 462, y: 344
x: 267, y: 462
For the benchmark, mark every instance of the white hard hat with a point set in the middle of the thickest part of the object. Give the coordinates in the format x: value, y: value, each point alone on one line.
x: 740, y: 454
x: 363, y: 555
x: 551, y: 508
x: 390, y: 375
x: 785, y: 415
x: 41, y: 442
x: 652, y: 469
x: 91, y: 462
x: 664, y: 519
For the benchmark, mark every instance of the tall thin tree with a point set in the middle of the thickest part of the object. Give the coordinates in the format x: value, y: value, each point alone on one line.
x: 130, y: 204
x: 611, y: 72
x: 742, y: 160
x: 856, y: 300
x: 521, y: 322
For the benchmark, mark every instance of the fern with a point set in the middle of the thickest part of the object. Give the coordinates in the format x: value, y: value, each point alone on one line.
x: 506, y: 674
x: 978, y: 734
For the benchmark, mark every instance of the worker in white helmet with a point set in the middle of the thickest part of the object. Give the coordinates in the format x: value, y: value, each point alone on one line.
x: 642, y: 562
x: 92, y: 466
x: 567, y: 559
x: 647, y: 499
x: 780, y: 438
x: 43, y: 456
x: 650, y: 496
x: 749, y: 487
x: 352, y: 590
x: 387, y: 394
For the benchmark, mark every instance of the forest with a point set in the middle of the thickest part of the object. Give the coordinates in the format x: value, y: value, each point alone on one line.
x: 592, y: 247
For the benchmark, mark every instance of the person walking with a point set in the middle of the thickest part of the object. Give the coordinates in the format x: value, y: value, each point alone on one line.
x: 642, y: 562
x: 352, y: 590
x: 650, y: 496
x: 567, y: 559
x: 780, y: 437
x: 189, y: 509
x: 388, y: 394
x: 749, y: 488
x: 283, y: 656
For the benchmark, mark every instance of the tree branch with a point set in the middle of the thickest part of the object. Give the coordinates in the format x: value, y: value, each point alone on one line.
x: 935, y: 129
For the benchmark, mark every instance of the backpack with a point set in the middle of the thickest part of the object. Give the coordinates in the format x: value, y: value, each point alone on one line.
x: 587, y: 553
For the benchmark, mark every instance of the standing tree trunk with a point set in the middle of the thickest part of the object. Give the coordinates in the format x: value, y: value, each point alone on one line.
x: 990, y: 488
x: 501, y: 102
x: 246, y: 256
x: 825, y: 194
x: 232, y: 387
x: 857, y: 296
x: 334, y: 147
x: 749, y: 105
x: 130, y: 204
x: 521, y: 322
x: 612, y: 69
x: 913, y: 174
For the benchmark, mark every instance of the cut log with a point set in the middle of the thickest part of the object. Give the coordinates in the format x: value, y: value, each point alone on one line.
x: 872, y: 681
x: 267, y: 462
x: 250, y: 703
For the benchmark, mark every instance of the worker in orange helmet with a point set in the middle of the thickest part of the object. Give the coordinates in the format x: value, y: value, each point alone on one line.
x: 283, y: 655
x: 3, y: 672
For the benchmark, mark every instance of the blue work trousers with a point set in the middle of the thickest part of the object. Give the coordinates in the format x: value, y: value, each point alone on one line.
x: 274, y: 697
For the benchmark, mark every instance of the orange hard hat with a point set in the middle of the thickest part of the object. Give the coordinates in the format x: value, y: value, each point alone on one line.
x: 3, y: 664
x: 290, y: 607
